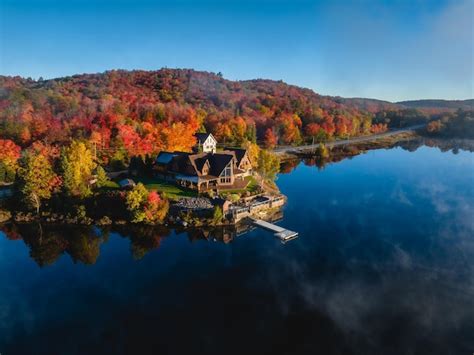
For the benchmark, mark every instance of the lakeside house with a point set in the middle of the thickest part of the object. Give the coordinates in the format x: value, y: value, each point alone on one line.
x: 205, y: 171
x: 205, y: 142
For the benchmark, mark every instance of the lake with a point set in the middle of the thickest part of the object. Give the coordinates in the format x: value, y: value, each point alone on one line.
x: 384, y: 264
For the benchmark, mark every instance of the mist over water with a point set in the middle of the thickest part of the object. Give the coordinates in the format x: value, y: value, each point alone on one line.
x: 384, y: 264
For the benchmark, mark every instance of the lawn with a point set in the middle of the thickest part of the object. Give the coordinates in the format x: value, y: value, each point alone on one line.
x: 170, y: 190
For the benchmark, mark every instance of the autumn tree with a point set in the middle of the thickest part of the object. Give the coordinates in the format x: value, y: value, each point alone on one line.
x: 253, y: 151
x: 238, y: 128
x: 178, y: 137
x: 289, y: 125
x: 145, y: 206
x: 36, y: 179
x: 316, y: 132
x: 77, y: 164
x: 9, y: 155
x: 434, y: 126
x: 270, y: 140
x: 268, y: 164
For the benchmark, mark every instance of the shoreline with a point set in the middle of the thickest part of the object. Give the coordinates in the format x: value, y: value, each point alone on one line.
x: 408, y: 140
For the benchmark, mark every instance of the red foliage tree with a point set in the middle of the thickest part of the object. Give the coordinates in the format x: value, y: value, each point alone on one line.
x: 270, y: 139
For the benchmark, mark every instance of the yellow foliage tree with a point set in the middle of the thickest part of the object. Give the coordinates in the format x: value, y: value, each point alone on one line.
x: 253, y: 150
x: 77, y: 163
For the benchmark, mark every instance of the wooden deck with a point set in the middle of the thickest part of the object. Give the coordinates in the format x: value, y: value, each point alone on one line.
x: 283, y: 234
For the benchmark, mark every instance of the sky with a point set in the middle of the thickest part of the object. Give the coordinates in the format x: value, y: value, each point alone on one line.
x: 391, y: 50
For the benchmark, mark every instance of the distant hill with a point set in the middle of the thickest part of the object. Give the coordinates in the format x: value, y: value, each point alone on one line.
x: 427, y: 106
x: 369, y: 105
x: 439, y: 104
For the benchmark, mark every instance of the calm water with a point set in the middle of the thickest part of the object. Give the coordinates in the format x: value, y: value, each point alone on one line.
x: 384, y: 265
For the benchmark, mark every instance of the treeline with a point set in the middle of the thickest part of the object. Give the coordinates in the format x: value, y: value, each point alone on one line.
x: 453, y: 125
x: 401, y: 118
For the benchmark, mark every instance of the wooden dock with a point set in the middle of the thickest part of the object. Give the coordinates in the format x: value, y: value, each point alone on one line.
x: 283, y: 234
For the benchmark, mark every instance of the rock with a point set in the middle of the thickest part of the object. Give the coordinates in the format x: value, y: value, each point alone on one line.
x: 23, y: 217
x: 104, y: 221
x: 194, y: 203
x: 5, y: 216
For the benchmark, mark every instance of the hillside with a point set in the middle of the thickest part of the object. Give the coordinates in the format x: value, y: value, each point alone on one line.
x: 127, y: 113
x: 142, y: 112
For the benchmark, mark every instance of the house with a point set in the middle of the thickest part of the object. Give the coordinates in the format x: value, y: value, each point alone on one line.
x: 204, y: 171
x: 206, y: 143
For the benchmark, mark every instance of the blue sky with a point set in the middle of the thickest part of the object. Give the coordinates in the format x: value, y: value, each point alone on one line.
x: 393, y: 50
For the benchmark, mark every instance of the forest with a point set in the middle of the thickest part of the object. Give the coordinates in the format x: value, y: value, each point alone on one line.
x: 128, y: 113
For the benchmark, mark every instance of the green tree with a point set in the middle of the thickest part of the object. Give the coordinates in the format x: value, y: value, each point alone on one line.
x: 135, y: 200
x: 77, y: 163
x: 217, y: 215
x: 36, y: 179
x: 102, y: 178
x: 268, y: 164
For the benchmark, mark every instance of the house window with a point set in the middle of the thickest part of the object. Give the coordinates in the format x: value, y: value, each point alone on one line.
x: 226, y: 176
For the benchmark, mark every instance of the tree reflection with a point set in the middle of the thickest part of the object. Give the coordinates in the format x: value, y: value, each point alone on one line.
x: 288, y: 166
x: 83, y: 245
x: 444, y: 145
x: 143, y: 239
x: 11, y: 231
x: 338, y: 154
x: 48, y: 243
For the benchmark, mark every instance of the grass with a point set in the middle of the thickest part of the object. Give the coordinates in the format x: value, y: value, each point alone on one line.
x: 111, y: 185
x: 170, y: 190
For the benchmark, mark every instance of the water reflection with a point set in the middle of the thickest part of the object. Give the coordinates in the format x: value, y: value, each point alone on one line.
x: 384, y: 265
x: 339, y: 154
x: 47, y: 243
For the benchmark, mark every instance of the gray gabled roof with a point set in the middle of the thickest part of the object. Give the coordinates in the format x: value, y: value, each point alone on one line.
x: 239, y: 153
x: 219, y: 161
x: 192, y: 164
x: 202, y: 137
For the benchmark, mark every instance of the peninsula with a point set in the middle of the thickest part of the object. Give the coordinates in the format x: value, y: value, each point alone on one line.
x: 178, y: 146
